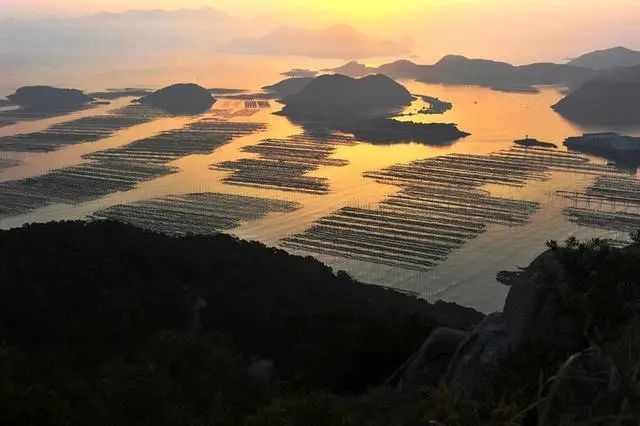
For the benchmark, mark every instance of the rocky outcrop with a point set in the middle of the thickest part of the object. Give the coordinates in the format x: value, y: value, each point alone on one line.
x: 180, y: 99
x: 467, y: 359
x: 49, y: 98
x: 476, y: 358
x: 431, y: 362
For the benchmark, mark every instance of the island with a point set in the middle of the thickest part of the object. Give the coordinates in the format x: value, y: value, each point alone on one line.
x: 530, y: 142
x: 387, y: 130
x: 182, y: 98
x: 624, y: 150
x: 436, y: 106
x: 289, y: 86
x: 47, y: 98
x: 611, y: 99
x: 363, y: 107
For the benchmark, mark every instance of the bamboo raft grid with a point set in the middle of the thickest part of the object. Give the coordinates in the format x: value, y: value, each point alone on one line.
x: 601, y: 203
x: 82, y: 130
x: 283, y: 164
x: 199, y: 213
x: 440, y: 207
x: 118, y: 169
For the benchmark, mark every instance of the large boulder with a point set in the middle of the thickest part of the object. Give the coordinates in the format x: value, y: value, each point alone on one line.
x: 183, y: 98
x: 431, y: 362
x: 528, y: 314
x: 49, y: 98
x: 479, y: 355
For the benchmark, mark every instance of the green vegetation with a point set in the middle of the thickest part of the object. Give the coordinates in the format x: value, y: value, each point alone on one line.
x: 102, y: 323
x: 105, y: 324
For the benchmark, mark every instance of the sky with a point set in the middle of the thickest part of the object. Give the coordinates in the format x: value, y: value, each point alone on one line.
x: 516, y: 30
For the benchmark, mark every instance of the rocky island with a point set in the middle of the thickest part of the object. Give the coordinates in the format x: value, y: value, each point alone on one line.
x: 180, y: 98
x: 47, y: 98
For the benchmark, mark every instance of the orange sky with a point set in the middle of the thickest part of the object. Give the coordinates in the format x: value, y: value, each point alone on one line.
x: 515, y: 30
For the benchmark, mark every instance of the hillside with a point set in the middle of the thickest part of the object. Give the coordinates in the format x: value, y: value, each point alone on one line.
x: 101, y: 321
x: 617, y: 57
x: 338, y: 97
x: 613, y: 98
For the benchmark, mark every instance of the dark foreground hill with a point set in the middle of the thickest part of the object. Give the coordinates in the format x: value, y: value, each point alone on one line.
x: 102, y: 323
x: 613, y: 98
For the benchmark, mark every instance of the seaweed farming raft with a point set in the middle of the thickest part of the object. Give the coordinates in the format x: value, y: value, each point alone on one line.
x: 284, y: 163
x: 611, y: 202
x: 201, y: 213
x: 86, y: 129
x: 118, y: 169
x: 440, y: 207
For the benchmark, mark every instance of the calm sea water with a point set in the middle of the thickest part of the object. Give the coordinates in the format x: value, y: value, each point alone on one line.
x: 493, y: 118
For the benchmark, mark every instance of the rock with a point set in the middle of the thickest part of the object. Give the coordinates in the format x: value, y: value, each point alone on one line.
x: 262, y: 370
x: 49, y: 98
x: 430, y: 364
x: 526, y: 312
x: 485, y: 348
x: 181, y: 99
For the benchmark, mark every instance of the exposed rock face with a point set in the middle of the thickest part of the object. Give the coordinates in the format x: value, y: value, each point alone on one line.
x: 289, y: 86
x: 432, y: 360
x: 528, y: 142
x: 49, y: 98
x: 181, y: 99
x: 612, y: 99
x: 525, y: 307
x: 340, y: 98
x: 485, y: 348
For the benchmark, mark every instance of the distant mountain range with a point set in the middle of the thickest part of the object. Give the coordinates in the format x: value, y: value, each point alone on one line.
x: 611, y: 98
x: 338, y: 41
x: 455, y: 69
x: 617, y: 57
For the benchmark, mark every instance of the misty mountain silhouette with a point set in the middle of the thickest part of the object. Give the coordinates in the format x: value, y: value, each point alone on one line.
x: 612, y: 98
x: 182, y: 98
x: 338, y: 41
x: 456, y: 69
x: 616, y: 57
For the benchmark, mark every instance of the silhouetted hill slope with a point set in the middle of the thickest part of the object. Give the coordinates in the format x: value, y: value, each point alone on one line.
x: 289, y: 86
x: 456, y: 69
x: 613, y: 98
x: 617, y: 57
x: 182, y: 98
x: 338, y: 97
x: 49, y: 98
